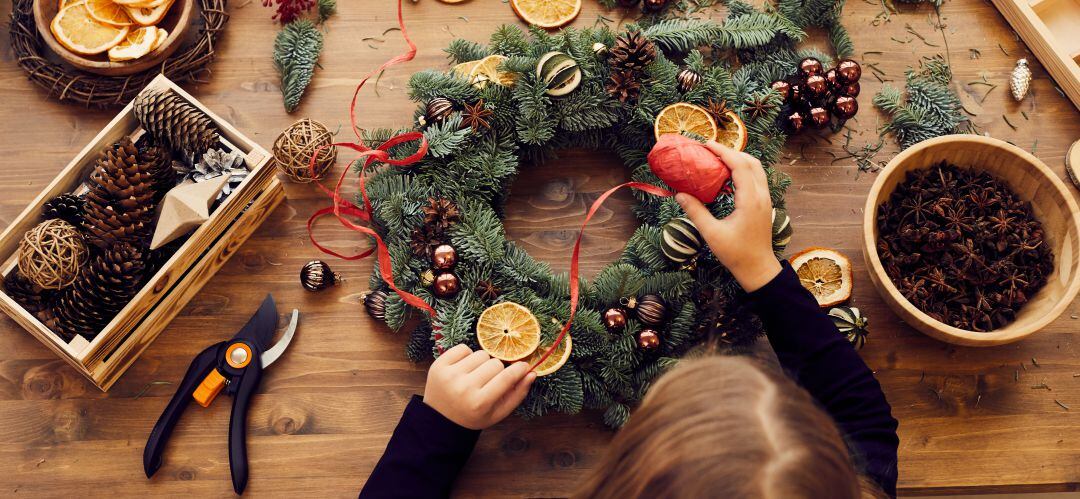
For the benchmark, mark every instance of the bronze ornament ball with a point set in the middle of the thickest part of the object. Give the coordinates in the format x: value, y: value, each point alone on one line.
x: 614, y: 319
x: 375, y: 304
x: 446, y: 285
x: 851, y: 89
x: 437, y: 110
x: 819, y: 117
x: 816, y: 86
x: 810, y: 66
x: 648, y: 339
x: 845, y: 107
x: 793, y: 123
x: 444, y: 256
x: 317, y: 276
x: 651, y: 310
x: 783, y: 88
x: 848, y: 71
x: 830, y: 76
x: 653, y: 6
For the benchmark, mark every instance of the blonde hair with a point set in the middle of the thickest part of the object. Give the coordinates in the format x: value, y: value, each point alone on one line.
x: 722, y: 427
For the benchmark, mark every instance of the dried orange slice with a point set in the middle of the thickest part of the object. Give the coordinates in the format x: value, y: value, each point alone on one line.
x: 78, y: 32
x: 105, y: 11
x: 64, y: 3
x: 825, y: 273
x: 732, y: 131
x: 487, y: 70
x: 464, y: 69
x: 508, y: 331
x: 137, y: 44
x: 682, y: 117
x: 546, y: 13
x: 554, y: 361
x: 162, y: 35
x: 148, y: 16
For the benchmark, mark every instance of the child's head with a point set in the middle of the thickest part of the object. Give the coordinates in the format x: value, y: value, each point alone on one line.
x: 722, y: 427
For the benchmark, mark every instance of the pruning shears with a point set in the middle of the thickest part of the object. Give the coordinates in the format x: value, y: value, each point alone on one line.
x: 234, y: 366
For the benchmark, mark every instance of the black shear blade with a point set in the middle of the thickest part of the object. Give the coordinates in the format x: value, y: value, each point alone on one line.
x: 261, y: 327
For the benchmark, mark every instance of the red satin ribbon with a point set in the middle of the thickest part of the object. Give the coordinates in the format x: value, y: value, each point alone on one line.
x: 343, y: 208
x: 574, y: 291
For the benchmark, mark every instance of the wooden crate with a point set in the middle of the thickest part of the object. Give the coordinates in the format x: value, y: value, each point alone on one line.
x: 113, y: 350
x: 1049, y: 27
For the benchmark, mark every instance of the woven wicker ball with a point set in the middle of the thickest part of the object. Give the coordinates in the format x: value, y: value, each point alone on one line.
x: 294, y: 147
x: 51, y: 254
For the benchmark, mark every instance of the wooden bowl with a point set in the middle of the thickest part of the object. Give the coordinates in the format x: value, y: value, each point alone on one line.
x: 1032, y: 181
x: 176, y: 22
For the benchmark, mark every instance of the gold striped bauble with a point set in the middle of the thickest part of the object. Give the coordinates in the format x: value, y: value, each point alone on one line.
x: 651, y: 310
x: 680, y: 240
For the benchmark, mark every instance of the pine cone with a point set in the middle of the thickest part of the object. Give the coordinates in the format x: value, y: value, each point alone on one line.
x: 121, y: 200
x: 101, y: 291
x: 441, y: 213
x: 632, y: 52
x: 160, y: 167
x: 67, y: 207
x: 424, y: 240
x: 623, y: 85
x: 175, y: 123
x: 20, y: 289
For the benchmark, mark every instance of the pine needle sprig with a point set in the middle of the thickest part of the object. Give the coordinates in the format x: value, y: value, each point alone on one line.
x: 296, y: 52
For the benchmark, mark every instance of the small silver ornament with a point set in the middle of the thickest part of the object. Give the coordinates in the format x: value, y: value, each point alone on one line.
x: 599, y: 49
x: 1020, y: 81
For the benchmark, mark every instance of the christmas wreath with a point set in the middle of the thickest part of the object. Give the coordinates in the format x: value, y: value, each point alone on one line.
x: 520, y: 99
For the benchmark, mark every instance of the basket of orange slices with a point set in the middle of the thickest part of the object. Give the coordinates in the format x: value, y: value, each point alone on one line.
x: 113, y: 37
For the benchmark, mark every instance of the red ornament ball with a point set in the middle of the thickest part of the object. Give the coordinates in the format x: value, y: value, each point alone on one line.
x: 686, y: 165
x: 648, y: 339
x: 446, y: 285
x: 444, y: 256
x: 848, y: 71
x: 845, y: 107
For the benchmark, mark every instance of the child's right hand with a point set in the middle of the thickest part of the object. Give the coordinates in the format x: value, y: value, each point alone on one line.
x: 473, y: 389
x: 743, y: 240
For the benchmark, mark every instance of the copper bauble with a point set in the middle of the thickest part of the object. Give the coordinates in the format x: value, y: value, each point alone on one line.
x: 444, y: 256
x: 850, y: 90
x: 845, y: 107
x: 796, y: 94
x: 437, y: 110
x: 317, y: 276
x: 648, y: 339
x: 810, y: 66
x: 848, y: 71
x: 653, y: 6
x: 687, y: 79
x: 816, y: 86
x: 830, y: 76
x: 783, y: 88
x: 651, y: 310
x: 792, y: 123
x: 446, y: 285
x: 615, y: 319
x: 819, y: 117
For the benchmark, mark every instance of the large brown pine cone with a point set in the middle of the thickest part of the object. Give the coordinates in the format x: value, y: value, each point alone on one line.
x: 159, y: 163
x: 122, y: 196
x: 176, y: 123
x: 102, y: 289
x: 623, y: 85
x: 632, y: 52
x: 20, y: 289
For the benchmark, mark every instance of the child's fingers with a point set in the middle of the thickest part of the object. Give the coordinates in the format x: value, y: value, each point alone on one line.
x: 452, y: 356
x: 504, y: 381
x: 695, y: 211
x: 485, y: 372
x: 746, y: 173
x: 512, y: 397
x: 473, y: 361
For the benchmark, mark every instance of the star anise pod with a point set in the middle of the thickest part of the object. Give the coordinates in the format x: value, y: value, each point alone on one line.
x: 759, y: 106
x: 487, y: 290
x: 718, y: 110
x: 476, y: 116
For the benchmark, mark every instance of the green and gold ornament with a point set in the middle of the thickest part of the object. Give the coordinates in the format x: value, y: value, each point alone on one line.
x: 852, y: 324
x: 680, y: 240
x: 560, y: 72
x: 781, y: 230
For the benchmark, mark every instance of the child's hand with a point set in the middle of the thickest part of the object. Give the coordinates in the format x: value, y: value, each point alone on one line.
x: 743, y: 240
x: 473, y: 389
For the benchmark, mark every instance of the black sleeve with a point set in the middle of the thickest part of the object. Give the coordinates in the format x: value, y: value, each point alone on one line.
x: 811, y: 349
x: 424, y: 456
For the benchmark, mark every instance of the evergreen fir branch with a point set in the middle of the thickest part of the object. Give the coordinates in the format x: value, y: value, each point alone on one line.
x: 535, y: 124
x: 510, y: 41
x: 460, y: 51
x: 296, y: 52
x: 616, y: 415
x: 326, y: 9
x: 681, y: 35
x: 446, y: 138
x: 479, y: 236
x: 427, y: 85
x: 930, y: 109
x: 421, y: 346
x: 841, y: 41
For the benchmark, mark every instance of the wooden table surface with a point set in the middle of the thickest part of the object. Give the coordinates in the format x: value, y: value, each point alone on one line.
x: 971, y: 420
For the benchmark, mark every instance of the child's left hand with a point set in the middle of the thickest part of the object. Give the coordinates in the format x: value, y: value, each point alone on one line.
x: 473, y: 389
